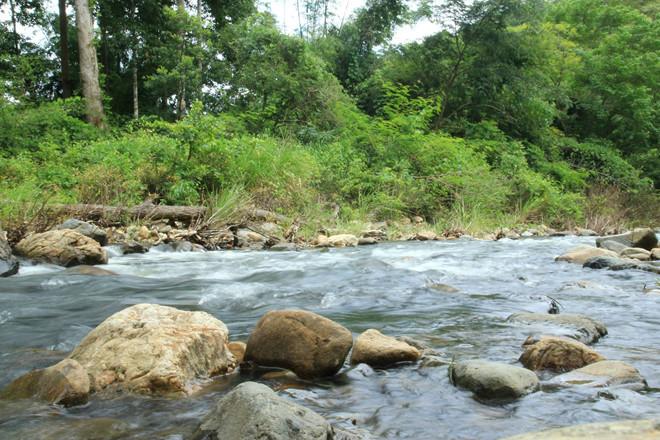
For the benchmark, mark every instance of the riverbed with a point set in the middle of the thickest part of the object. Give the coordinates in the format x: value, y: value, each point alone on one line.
x: 44, y: 314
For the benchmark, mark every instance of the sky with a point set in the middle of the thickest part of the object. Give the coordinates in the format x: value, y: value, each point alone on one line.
x: 286, y: 13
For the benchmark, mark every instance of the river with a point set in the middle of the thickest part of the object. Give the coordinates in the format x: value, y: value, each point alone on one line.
x: 44, y: 314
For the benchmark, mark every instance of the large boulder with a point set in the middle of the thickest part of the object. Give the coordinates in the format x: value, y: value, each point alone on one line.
x: 65, y: 383
x: 64, y: 247
x: 375, y: 349
x: 644, y: 238
x: 342, y: 240
x: 582, y: 253
x: 253, y: 411
x: 626, y: 430
x: 86, y: 229
x: 153, y: 349
x: 8, y: 264
x: 580, y: 327
x: 303, y: 342
x: 558, y: 354
x: 602, y: 374
x: 493, y: 379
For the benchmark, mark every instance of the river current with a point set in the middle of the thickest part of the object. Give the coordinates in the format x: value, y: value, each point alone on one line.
x: 44, y: 314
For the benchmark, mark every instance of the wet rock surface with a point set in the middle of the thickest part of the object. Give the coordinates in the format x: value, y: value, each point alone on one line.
x: 378, y: 350
x: 303, y: 342
x: 580, y: 327
x: 602, y: 374
x: 558, y: 354
x: 493, y: 380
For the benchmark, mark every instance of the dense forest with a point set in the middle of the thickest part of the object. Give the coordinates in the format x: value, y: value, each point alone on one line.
x: 514, y: 112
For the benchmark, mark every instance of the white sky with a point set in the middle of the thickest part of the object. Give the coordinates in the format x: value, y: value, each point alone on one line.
x: 286, y: 13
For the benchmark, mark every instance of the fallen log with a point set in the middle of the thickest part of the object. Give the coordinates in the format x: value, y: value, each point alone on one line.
x: 149, y: 211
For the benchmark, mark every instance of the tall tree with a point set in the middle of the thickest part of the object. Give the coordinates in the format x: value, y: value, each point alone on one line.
x: 89, y: 69
x: 64, y: 50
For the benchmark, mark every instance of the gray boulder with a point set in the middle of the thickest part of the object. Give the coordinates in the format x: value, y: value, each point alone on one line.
x: 253, y: 411
x: 644, y: 238
x: 8, y: 264
x: 615, y: 263
x: 613, y: 246
x: 86, y: 229
x: 493, y: 379
x: 579, y: 327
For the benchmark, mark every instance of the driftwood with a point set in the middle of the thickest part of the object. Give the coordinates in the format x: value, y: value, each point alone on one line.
x: 104, y: 213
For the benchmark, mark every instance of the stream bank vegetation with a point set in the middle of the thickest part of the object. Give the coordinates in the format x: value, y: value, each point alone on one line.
x: 516, y: 112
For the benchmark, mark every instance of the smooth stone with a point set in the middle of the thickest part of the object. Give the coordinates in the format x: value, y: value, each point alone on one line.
x: 366, y: 241
x: 378, y: 350
x: 63, y: 247
x: 86, y: 229
x: 342, y: 240
x: 602, y: 374
x: 88, y: 271
x: 253, y: 411
x: 636, y: 253
x: 237, y: 348
x: 493, y: 379
x: 626, y: 430
x: 247, y: 238
x: 65, y: 383
x: 306, y: 343
x: 154, y: 349
x: 655, y: 254
x: 425, y: 236
x: 613, y: 246
x: 644, y: 238
x: 557, y: 354
x: 583, y: 328
x: 580, y: 254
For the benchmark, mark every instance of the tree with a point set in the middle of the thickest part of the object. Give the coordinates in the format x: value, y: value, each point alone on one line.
x: 89, y: 69
x: 64, y: 49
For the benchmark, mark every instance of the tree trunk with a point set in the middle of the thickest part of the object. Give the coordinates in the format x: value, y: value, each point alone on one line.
x: 181, y: 7
x: 64, y: 50
x: 12, y: 11
x: 136, y: 103
x: 89, y: 68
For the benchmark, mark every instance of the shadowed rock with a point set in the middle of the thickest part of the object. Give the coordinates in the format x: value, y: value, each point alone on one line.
x: 644, y: 238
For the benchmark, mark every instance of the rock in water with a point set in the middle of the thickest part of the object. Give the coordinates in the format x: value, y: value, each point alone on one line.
x: 8, y: 264
x: 64, y: 247
x: 655, y: 254
x: 603, y: 374
x: 558, y: 354
x: 581, y: 254
x: 253, y: 411
x: 237, y: 348
x: 375, y: 349
x: 303, y: 342
x: 343, y: 240
x: 636, y: 253
x: 153, y: 349
x: 644, y: 238
x: 86, y: 229
x: 613, y: 246
x: 627, y: 430
x: 580, y: 327
x: 64, y: 383
x: 493, y: 379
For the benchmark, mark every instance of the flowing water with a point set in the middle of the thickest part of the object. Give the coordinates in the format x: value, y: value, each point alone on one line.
x: 44, y: 314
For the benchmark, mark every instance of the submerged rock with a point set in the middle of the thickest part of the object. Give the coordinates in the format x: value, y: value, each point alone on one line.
x: 153, y: 349
x: 602, y: 374
x: 582, y: 328
x: 378, y: 350
x: 493, y: 379
x: 88, y: 271
x: 63, y: 247
x: 86, y: 229
x: 626, y: 430
x: 644, y: 238
x: 558, y: 354
x: 8, y: 264
x: 581, y: 254
x: 303, y: 342
x: 64, y: 383
x: 253, y: 411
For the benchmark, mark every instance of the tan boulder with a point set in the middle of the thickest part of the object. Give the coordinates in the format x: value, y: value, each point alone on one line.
x: 655, y: 254
x: 237, y: 348
x: 426, y: 236
x: 626, y: 430
x: 558, y: 354
x: 378, y: 350
x: 65, y: 383
x: 303, y: 342
x: 343, y: 240
x: 602, y: 374
x: 636, y: 253
x: 64, y: 247
x: 153, y: 349
x: 581, y: 254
